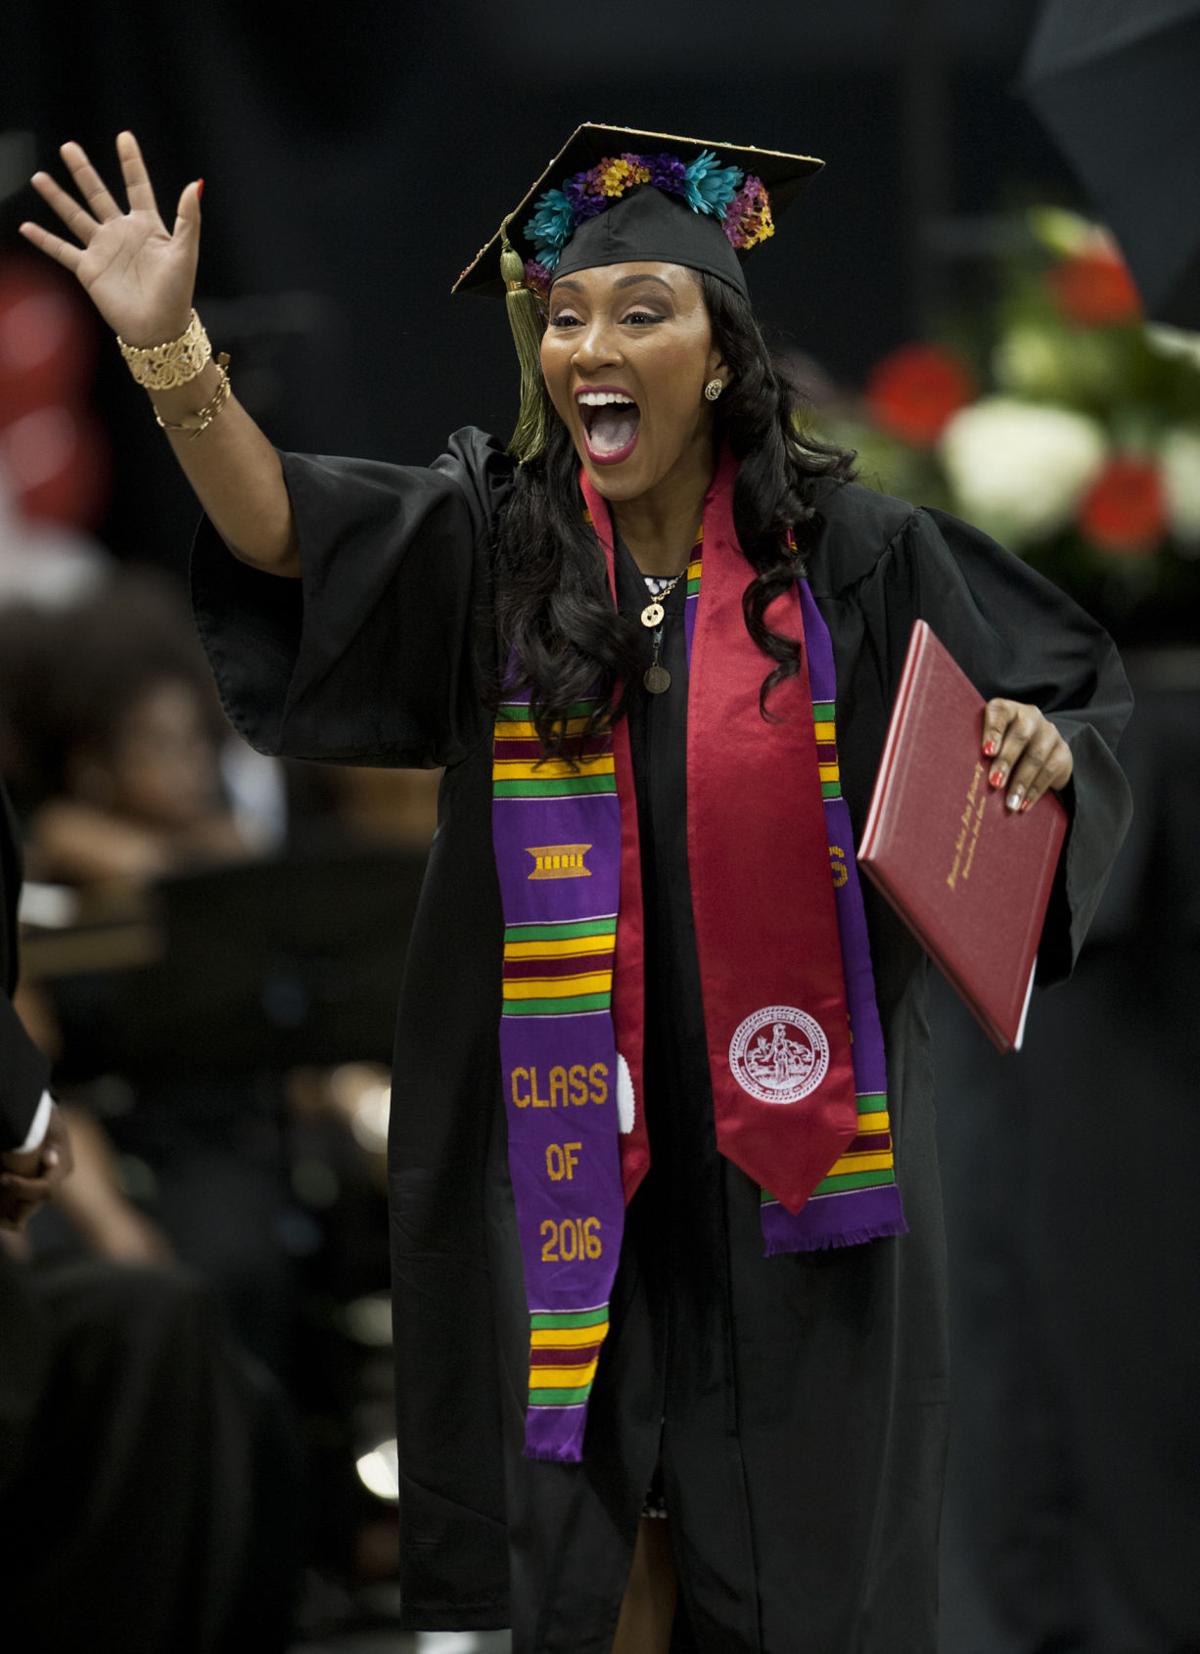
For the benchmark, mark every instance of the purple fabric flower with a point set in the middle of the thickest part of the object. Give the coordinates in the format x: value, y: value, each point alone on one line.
x: 747, y: 218
x: 537, y: 276
x: 667, y: 173
x: 586, y: 201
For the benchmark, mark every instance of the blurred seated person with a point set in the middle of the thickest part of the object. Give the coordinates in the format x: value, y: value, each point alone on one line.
x: 122, y: 750
x: 117, y: 742
x: 116, y: 1540
x: 384, y: 806
x: 114, y: 737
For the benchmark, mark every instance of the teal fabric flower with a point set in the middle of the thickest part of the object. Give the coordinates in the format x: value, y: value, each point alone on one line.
x: 550, y: 226
x: 710, y: 188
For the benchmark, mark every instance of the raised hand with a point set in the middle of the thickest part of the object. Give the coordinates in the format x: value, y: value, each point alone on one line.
x: 138, y: 274
x: 141, y: 277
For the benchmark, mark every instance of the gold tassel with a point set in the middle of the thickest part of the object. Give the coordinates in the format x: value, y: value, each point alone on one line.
x: 524, y: 317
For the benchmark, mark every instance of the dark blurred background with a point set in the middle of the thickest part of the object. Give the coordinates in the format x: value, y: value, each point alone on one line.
x: 354, y: 160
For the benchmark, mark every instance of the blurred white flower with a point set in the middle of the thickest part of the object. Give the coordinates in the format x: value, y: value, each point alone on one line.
x: 1027, y: 358
x: 1180, y: 460
x: 1018, y: 469
x: 44, y: 563
x: 1067, y: 234
x: 1031, y: 359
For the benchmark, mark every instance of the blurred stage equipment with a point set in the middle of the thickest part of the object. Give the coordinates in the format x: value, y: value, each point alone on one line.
x: 185, y: 1010
x: 1115, y: 82
x: 269, y: 963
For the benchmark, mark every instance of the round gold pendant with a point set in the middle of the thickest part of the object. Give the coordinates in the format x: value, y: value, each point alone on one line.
x: 657, y: 679
x: 652, y: 614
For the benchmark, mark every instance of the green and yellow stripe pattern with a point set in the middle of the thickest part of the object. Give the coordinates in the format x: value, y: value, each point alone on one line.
x: 564, y: 1350
x: 520, y: 770
x: 825, y: 730
x: 559, y: 969
x: 868, y: 1161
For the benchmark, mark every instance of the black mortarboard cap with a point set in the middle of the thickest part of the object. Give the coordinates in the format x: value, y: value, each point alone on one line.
x: 615, y: 195
x: 645, y: 222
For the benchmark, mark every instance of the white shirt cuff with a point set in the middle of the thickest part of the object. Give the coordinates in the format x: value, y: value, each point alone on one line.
x: 37, y: 1129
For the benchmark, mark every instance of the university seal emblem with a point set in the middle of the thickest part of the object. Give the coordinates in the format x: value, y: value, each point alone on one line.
x: 779, y: 1054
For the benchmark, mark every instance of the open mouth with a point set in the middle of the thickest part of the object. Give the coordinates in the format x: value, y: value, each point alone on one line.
x: 611, y: 421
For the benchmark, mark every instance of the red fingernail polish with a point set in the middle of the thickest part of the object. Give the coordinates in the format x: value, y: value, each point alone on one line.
x: 989, y: 749
x: 199, y: 188
x: 1025, y: 803
x: 996, y: 777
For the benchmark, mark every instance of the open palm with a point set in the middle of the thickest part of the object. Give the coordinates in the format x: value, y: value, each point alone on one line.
x: 139, y: 275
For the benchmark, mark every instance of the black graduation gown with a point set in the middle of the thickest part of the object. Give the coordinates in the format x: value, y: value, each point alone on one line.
x: 798, y: 1402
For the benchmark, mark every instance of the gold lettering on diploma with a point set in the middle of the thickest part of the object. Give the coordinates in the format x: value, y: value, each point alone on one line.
x: 969, y: 823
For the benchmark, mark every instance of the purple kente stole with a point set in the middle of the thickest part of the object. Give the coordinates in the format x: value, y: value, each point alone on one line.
x: 796, y: 1050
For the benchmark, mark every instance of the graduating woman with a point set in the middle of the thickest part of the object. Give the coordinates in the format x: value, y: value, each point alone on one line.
x: 666, y: 1230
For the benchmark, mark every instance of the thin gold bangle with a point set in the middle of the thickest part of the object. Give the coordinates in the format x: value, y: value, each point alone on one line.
x: 203, y: 417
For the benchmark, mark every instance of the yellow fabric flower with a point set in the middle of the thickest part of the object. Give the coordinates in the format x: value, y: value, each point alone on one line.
x: 617, y: 175
x: 762, y: 230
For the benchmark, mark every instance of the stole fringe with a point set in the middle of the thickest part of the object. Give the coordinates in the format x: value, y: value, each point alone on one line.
x: 551, y: 1455
x: 849, y: 1237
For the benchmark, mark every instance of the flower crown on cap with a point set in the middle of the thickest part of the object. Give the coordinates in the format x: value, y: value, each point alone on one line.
x: 737, y: 198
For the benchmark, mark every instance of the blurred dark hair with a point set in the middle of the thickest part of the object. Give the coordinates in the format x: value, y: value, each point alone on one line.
x: 552, y: 602
x: 68, y: 678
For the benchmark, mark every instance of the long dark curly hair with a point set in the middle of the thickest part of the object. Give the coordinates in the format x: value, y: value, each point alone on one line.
x: 552, y: 603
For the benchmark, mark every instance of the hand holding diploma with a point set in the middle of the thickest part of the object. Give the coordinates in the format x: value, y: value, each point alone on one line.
x: 1027, y: 746
x: 970, y: 876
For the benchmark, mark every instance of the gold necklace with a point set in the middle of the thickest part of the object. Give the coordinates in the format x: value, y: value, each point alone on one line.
x: 656, y: 678
x: 652, y: 614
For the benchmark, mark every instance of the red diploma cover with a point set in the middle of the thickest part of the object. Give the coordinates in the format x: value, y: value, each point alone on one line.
x: 969, y: 877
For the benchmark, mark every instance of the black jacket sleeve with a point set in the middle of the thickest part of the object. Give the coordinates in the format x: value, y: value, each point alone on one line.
x: 371, y: 657
x: 24, y: 1071
x: 1016, y: 634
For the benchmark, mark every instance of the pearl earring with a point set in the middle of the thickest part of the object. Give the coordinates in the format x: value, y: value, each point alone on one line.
x: 713, y: 389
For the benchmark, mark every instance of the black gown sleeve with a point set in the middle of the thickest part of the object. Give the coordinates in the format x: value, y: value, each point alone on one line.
x: 24, y: 1070
x: 1016, y: 634
x: 372, y: 655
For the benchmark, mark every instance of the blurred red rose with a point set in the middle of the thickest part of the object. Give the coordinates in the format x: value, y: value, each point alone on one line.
x: 1125, y: 509
x: 912, y: 391
x: 47, y: 347
x: 54, y: 455
x: 56, y: 462
x: 1095, y: 290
